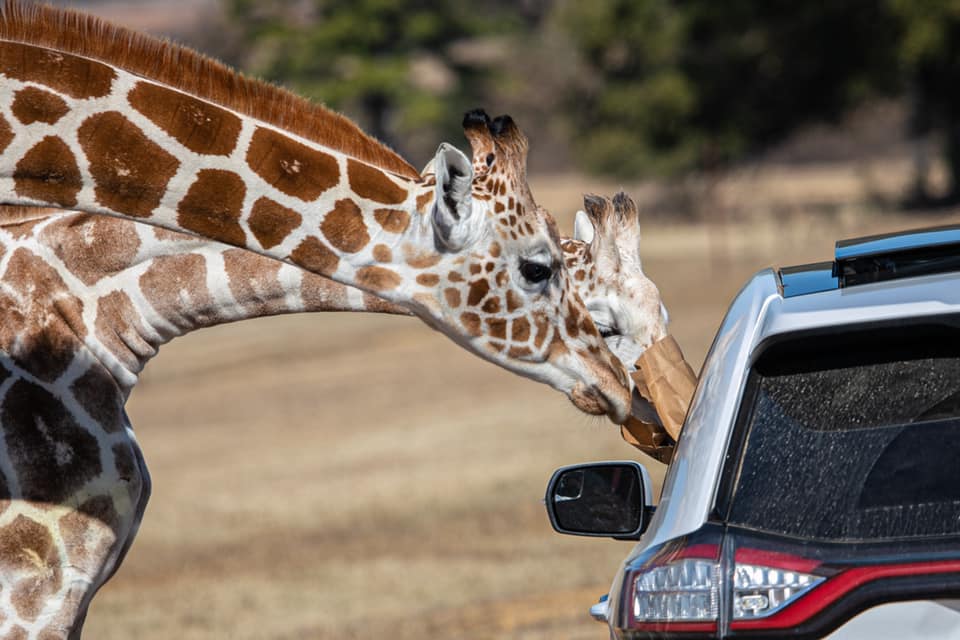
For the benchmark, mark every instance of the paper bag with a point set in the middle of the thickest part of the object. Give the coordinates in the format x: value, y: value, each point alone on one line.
x: 665, y: 379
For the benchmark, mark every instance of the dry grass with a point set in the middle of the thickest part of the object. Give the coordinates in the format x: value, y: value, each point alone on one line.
x: 344, y: 476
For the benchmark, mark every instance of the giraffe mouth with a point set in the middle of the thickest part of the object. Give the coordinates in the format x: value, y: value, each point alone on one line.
x: 592, y: 400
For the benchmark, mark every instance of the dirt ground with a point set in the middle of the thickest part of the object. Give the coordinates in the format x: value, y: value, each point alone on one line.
x: 344, y: 476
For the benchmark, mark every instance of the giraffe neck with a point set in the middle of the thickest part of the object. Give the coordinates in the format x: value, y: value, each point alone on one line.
x: 139, y: 286
x: 121, y: 145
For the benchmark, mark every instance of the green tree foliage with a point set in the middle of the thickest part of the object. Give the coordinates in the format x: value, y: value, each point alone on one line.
x: 929, y: 55
x: 388, y: 63
x: 695, y: 83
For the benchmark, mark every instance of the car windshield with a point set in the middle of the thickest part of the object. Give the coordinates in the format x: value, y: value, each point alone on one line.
x: 853, y: 437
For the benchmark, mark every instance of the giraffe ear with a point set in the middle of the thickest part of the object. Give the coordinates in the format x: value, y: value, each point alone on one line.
x: 583, y: 228
x: 454, y: 223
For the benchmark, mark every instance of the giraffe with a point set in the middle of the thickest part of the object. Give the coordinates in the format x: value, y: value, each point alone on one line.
x: 137, y: 299
x: 93, y: 118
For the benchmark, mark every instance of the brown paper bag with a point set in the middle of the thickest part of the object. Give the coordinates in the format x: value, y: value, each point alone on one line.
x: 664, y: 379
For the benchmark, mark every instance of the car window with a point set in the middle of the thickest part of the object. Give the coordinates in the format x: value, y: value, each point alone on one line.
x: 853, y: 437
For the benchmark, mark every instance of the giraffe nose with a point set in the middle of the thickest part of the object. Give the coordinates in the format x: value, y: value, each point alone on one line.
x: 613, y: 402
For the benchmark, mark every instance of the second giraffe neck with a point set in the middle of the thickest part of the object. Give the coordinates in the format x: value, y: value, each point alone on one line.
x: 138, y: 286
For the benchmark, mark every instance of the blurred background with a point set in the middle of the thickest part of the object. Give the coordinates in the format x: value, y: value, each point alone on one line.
x: 344, y: 476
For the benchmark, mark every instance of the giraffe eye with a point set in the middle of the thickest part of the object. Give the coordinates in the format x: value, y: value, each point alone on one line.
x: 606, y: 332
x: 490, y: 159
x: 534, y: 271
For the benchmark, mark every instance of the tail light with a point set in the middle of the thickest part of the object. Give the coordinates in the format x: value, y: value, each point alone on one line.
x: 674, y: 592
x: 685, y: 587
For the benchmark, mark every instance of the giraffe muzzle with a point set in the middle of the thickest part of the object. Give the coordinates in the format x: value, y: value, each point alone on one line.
x: 614, y: 403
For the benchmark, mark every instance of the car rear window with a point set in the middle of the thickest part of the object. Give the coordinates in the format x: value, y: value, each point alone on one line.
x: 853, y: 436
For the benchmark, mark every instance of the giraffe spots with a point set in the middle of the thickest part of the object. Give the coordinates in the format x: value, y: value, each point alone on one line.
x: 497, y: 328
x: 377, y: 278
x: 373, y: 184
x: 572, y: 321
x: 36, y: 105
x: 423, y: 200
x: 254, y: 281
x: 471, y: 323
x: 290, y: 166
x: 392, y: 220
x: 98, y: 394
x: 175, y: 283
x: 455, y: 276
x: 428, y: 279
x: 519, y: 352
x: 271, y: 222
x: 494, y: 250
x: 118, y: 328
x: 344, y: 227
x: 44, y: 330
x: 452, y: 296
x: 92, y: 247
x: 51, y: 454
x: 542, y: 324
x: 382, y: 253
x: 85, y: 538
x: 130, y: 171
x: 197, y: 125
x: 492, y: 305
x: 6, y: 134
x: 313, y: 255
x: 498, y: 207
x: 502, y: 278
x: 420, y: 259
x: 64, y: 73
x: 212, y: 206
x: 520, y: 330
x: 49, y: 173
x: 30, y: 559
x: 478, y: 290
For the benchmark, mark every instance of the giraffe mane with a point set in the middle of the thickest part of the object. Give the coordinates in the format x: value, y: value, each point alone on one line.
x: 184, y: 69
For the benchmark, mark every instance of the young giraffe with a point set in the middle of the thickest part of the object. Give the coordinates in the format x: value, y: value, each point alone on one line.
x: 483, y: 266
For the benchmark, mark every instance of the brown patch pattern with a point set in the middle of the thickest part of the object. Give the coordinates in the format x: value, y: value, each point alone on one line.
x: 428, y: 279
x: 44, y: 331
x: 373, y: 184
x: 392, y: 220
x: 32, y: 104
x: 130, y: 171
x: 271, y: 222
x: 77, y: 77
x: 97, y: 392
x: 344, y: 227
x: 212, y: 206
x: 93, y: 247
x: 382, y: 253
x: 254, y: 281
x: 169, y: 280
x: 478, y: 290
x: 471, y: 322
x: 377, y: 278
x: 313, y: 255
x: 49, y: 173
x: 119, y: 329
x: 453, y: 297
x: 290, y: 166
x: 6, y: 134
x: 52, y: 455
x: 197, y: 125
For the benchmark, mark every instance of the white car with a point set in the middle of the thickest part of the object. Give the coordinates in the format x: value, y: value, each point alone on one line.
x: 815, y: 488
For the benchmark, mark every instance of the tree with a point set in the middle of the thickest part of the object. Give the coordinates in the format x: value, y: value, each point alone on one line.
x: 696, y: 83
x: 397, y: 66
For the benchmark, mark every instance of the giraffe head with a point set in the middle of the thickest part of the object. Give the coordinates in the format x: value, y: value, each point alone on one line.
x: 500, y: 278
x: 603, y: 259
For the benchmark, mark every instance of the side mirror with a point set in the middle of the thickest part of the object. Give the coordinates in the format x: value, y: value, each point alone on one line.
x: 608, y: 499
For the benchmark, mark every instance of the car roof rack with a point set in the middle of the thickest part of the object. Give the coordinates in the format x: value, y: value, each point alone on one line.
x: 897, y: 255
x: 877, y: 258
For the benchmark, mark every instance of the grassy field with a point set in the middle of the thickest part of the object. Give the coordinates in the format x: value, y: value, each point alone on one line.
x: 342, y: 476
